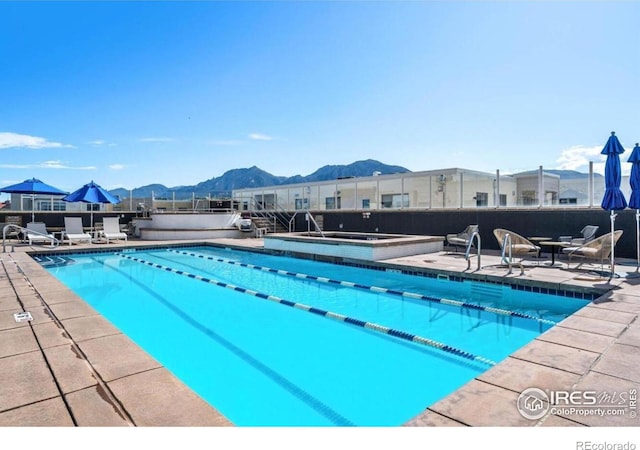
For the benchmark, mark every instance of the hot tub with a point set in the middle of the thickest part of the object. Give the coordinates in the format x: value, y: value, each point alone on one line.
x: 363, y: 246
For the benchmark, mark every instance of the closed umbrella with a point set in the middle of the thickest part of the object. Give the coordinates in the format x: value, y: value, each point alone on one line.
x: 634, y: 200
x: 32, y: 186
x: 91, y: 193
x: 613, y: 199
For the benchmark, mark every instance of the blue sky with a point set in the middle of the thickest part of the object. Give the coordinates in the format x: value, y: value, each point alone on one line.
x: 133, y: 93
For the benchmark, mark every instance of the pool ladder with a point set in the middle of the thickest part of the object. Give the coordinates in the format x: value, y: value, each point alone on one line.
x: 18, y: 229
x: 506, y: 249
x: 468, y: 254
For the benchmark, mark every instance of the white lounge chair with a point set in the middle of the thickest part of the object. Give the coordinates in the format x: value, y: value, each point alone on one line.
x: 74, y: 232
x: 111, y: 229
x: 37, y: 232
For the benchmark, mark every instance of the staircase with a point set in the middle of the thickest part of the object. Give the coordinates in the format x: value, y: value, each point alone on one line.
x: 271, y: 225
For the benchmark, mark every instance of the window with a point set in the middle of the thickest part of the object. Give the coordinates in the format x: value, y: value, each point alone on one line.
x: 482, y: 199
x: 366, y: 203
x: 529, y: 198
x: 395, y: 200
x: 56, y: 206
x: 503, y: 199
x: 332, y: 203
x: 302, y: 203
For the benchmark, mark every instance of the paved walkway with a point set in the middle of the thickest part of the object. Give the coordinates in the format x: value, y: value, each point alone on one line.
x: 69, y: 366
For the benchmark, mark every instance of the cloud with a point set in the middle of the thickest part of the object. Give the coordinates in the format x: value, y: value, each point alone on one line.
x: 260, y: 137
x: 578, y: 157
x: 100, y: 143
x: 116, y: 166
x: 45, y: 165
x: 15, y: 140
x: 157, y: 139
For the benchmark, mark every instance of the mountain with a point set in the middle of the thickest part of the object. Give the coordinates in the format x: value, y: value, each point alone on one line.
x: 256, y: 177
x: 357, y: 169
x: 564, y: 174
x: 233, y: 179
x: 159, y: 190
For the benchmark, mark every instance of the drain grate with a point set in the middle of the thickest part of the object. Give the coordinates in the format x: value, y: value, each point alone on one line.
x: 23, y: 317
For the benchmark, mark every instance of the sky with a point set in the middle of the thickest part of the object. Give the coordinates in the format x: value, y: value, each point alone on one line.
x: 133, y: 93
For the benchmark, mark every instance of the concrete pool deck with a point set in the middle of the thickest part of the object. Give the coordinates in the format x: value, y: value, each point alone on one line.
x: 69, y: 366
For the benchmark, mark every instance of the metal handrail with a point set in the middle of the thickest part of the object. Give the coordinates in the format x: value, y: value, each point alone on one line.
x: 468, y: 255
x: 24, y: 230
x: 278, y: 214
x: 507, y: 239
x: 311, y: 219
x: 291, y: 221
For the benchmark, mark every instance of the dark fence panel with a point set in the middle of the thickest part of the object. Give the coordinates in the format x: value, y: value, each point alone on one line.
x: 543, y: 222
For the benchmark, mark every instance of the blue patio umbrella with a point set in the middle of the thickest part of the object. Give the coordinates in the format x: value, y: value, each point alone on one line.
x: 634, y: 200
x: 32, y: 186
x: 91, y: 193
x: 613, y: 199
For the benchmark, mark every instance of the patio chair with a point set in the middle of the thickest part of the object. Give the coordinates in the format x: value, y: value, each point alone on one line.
x: 588, y: 234
x: 74, y: 232
x: 37, y: 232
x: 111, y: 229
x: 512, y: 244
x: 596, y: 249
x: 461, y: 239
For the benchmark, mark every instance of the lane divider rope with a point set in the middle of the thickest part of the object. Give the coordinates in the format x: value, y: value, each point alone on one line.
x: 323, y: 313
x: 381, y: 290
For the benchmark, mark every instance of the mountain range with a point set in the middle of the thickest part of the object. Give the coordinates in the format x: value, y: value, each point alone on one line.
x: 253, y: 177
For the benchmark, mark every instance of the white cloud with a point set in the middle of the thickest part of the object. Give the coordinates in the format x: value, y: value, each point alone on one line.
x: 46, y: 165
x: 157, y: 139
x: 578, y: 157
x: 116, y: 166
x: 260, y: 137
x: 100, y: 143
x: 15, y: 140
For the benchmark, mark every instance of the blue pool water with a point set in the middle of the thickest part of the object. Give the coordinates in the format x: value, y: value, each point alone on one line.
x: 265, y: 363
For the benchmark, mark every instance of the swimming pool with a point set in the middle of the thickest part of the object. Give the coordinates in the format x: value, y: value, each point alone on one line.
x: 278, y: 341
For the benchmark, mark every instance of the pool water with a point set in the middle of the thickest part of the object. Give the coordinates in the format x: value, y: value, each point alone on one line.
x: 265, y: 363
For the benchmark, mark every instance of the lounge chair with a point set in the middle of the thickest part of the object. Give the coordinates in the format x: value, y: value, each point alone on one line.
x: 512, y: 244
x: 37, y: 232
x: 111, y: 229
x: 461, y: 239
x: 596, y: 249
x: 588, y: 234
x: 74, y: 232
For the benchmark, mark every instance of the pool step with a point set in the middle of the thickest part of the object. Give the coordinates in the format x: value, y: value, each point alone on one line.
x: 53, y: 261
x: 485, y: 291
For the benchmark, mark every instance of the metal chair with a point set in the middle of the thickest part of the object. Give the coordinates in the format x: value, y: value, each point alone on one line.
x: 512, y: 244
x: 461, y: 239
x: 597, y: 249
x: 588, y: 234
